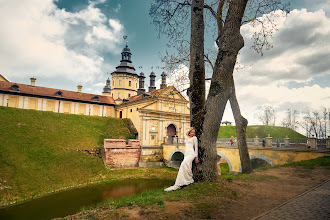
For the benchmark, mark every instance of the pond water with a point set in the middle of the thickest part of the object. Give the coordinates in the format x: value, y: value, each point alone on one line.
x: 69, y: 202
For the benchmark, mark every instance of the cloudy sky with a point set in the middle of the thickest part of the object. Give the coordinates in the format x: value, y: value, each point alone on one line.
x: 64, y: 43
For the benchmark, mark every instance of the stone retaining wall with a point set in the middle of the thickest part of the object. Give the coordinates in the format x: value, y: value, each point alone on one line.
x: 118, y: 154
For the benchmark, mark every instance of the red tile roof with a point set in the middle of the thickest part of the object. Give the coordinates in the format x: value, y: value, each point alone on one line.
x: 49, y: 92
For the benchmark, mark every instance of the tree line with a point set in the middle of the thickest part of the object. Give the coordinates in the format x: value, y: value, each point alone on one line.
x: 315, y: 122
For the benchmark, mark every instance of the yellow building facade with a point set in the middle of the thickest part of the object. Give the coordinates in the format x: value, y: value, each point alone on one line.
x: 159, y: 116
x: 61, y: 101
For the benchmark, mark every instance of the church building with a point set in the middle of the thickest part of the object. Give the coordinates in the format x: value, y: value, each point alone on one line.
x: 159, y: 115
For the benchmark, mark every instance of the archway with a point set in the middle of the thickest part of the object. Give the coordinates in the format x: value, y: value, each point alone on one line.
x: 222, y: 158
x: 259, y: 161
x: 176, y: 158
x: 170, y: 133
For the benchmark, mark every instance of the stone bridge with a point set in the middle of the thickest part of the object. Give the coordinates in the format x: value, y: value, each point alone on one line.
x: 172, y: 155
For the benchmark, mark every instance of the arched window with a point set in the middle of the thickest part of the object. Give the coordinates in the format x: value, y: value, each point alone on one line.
x: 14, y: 87
x: 59, y: 93
x: 95, y: 98
x: 129, y: 83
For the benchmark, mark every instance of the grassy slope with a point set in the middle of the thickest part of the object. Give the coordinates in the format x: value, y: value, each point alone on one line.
x: 260, y: 131
x: 39, y: 150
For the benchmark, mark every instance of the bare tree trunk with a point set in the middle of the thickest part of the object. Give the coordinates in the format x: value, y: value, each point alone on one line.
x: 241, y: 124
x: 196, y: 91
x: 230, y: 42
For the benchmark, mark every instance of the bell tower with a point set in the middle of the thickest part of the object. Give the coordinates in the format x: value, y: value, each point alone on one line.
x: 124, y: 79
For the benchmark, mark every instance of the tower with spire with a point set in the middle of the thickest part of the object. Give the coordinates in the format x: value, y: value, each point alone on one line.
x: 124, y: 78
x: 107, y: 88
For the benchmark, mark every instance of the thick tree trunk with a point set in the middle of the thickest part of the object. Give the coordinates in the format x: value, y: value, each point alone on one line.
x: 241, y: 124
x: 230, y: 42
x: 196, y: 91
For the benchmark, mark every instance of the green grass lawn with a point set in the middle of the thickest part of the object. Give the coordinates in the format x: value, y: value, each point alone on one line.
x: 261, y: 131
x: 40, y: 151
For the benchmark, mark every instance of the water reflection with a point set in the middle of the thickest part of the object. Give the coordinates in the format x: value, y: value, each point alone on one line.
x: 69, y: 202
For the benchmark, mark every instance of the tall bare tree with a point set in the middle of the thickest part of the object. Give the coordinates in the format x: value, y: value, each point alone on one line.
x: 170, y: 17
x: 266, y: 114
x: 291, y: 119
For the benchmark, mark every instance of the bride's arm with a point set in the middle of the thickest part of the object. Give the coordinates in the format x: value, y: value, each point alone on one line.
x: 196, y: 146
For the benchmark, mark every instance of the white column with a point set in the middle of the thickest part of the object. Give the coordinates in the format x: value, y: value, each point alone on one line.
x: 20, y: 102
x: 147, y: 132
x: 90, y: 109
x: 56, y: 106
x: 5, y: 100
x: 61, y: 106
x: 143, y: 132
x: 44, y: 104
x: 72, y: 108
x: 39, y: 104
x: 76, y: 109
x: 104, y: 110
x: 101, y: 109
x: 1, y: 99
x: 26, y: 102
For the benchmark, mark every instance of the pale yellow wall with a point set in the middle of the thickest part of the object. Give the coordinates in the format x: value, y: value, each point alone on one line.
x: 278, y: 157
x: 67, y: 107
x: 50, y: 106
x: 127, y: 82
x: 168, y: 149
x: 33, y: 103
x: 13, y: 101
x: 124, y: 94
x: 55, y: 105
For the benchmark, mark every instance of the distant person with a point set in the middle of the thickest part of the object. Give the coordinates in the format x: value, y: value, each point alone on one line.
x: 231, y: 141
x: 277, y: 142
x: 185, y: 175
x: 263, y: 143
x: 308, y: 144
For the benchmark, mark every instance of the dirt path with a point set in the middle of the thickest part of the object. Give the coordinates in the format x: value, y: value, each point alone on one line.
x: 250, y: 198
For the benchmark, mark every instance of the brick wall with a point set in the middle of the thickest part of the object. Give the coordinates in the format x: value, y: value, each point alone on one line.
x: 117, y: 154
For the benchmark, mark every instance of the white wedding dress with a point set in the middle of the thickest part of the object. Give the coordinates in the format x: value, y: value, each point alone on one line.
x: 185, y: 175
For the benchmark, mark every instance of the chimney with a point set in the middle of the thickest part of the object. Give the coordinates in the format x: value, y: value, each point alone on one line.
x: 152, y: 86
x: 163, y: 85
x: 141, y: 89
x: 33, y: 81
x: 79, y: 88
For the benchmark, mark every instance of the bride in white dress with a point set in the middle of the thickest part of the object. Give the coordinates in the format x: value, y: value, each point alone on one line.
x: 185, y: 175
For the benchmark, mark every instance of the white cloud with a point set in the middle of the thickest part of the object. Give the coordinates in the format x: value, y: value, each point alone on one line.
x: 37, y: 38
x: 301, y: 50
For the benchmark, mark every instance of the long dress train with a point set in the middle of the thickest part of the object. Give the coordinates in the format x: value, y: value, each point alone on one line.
x: 185, y: 175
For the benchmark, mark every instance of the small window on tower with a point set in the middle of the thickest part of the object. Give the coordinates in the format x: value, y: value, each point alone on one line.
x: 131, y: 110
x: 120, y: 82
x: 129, y: 83
x: 129, y: 95
x: 113, y: 82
